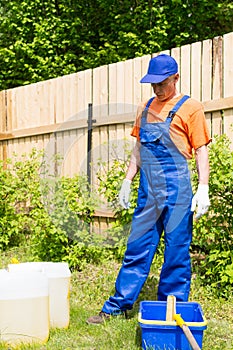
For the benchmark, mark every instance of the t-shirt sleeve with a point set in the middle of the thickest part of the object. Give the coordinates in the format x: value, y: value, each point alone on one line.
x: 136, y: 127
x: 198, y: 130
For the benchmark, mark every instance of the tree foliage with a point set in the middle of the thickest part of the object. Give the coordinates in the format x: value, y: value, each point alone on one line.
x: 40, y: 40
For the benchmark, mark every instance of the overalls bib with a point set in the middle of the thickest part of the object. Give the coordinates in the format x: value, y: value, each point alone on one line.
x: 163, y: 205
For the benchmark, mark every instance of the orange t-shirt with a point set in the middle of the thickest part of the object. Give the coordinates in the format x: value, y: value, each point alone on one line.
x: 188, y: 128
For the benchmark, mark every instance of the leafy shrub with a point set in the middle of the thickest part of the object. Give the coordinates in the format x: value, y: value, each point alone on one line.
x: 213, y: 233
x: 110, y: 185
x: 51, y: 214
x: 9, y: 210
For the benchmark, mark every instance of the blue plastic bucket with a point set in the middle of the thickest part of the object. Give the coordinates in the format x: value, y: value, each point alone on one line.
x: 159, y: 334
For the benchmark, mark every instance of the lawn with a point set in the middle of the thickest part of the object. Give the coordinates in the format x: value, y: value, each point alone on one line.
x: 93, y: 285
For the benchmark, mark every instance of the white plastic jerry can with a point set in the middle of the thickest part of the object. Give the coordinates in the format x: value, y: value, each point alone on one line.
x: 59, y: 277
x: 24, y: 307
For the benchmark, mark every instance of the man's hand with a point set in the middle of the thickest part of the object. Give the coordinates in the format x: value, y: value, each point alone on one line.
x: 124, y: 194
x: 201, y: 200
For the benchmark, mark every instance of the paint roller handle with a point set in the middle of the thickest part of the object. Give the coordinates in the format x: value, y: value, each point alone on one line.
x: 192, y: 341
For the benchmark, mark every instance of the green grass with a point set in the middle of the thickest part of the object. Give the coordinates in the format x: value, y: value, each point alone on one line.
x: 93, y: 285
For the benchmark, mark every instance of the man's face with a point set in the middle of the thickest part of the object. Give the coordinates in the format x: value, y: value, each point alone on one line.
x: 166, y: 89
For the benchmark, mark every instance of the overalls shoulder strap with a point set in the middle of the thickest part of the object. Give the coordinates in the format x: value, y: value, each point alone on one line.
x: 144, y: 113
x: 149, y: 102
x: 177, y: 106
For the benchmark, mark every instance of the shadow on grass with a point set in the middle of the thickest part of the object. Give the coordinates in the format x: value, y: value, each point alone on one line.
x: 138, y: 336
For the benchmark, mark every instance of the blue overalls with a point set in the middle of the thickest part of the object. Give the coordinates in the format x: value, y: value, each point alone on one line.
x: 164, y: 204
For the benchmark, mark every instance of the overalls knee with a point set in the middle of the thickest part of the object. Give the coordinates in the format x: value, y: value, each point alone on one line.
x: 164, y: 205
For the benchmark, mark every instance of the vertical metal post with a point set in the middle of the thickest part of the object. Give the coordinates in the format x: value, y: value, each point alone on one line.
x: 89, y: 141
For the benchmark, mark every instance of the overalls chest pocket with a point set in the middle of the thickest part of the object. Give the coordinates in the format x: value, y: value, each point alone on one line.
x: 152, y: 132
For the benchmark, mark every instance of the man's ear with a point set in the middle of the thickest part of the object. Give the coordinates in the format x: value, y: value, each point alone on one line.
x: 176, y: 77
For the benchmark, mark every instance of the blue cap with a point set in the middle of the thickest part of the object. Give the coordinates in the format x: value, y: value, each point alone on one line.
x: 160, y: 68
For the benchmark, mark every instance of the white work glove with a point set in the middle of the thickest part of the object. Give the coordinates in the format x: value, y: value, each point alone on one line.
x: 124, y: 193
x: 201, y: 199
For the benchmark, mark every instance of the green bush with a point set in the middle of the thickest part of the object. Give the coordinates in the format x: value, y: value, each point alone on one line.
x: 51, y: 214
x: 10, y: 211
x: 110, y: 185
x: 212, y: 235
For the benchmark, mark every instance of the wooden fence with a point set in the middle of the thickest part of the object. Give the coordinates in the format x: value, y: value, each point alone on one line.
x: 52, y: 114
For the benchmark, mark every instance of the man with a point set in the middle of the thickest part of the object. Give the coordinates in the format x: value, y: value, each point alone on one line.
x: 168, y: 130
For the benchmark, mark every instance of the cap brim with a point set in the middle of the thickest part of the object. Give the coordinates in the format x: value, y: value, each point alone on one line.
x: 150, y: 78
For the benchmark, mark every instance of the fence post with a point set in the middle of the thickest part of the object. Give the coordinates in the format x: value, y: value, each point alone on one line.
x: 89, y: 140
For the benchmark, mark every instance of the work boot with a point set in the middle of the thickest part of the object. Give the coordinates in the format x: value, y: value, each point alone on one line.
x: 101, y: 318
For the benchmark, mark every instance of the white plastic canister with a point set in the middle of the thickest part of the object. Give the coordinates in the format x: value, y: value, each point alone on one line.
x: 24, y: 300
x: 59, y: 277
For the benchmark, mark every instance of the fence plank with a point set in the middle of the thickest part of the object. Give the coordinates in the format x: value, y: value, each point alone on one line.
x: 146, y: 90
x: 228, y: 83
x: 185, y: 73
x: 59, y: 149
x: 128, y: 87
x: 2, y: 112
x: 217, y: 83
x: 37, y: 113
x: 50, y: 150
x: 3, y: 120
x: 112, y: 73
x: 217, y: 68
x: 30, y: 103
x: 120, y: 86
x: 72, y: 96
x: 81, y: 150
x: 67, y: 147
x: 175, y: 53
x: 206, y: 92
x: 51, y: 102
x: 100, y: 101
x: 103, y: 149
x: 18, y: 97
x: 10, y: 108
x: 83, y: 94
x: 228, y: 65
x: 217, y: 126
x: 137, y: 75
x: 112, y: 149
x: 100, y: 91
x: 74, y: 148
x: 228, y: 124
x: 196, y: 70
x: 59, y: 103
x: 206, y: 77
x: 208, y: 117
